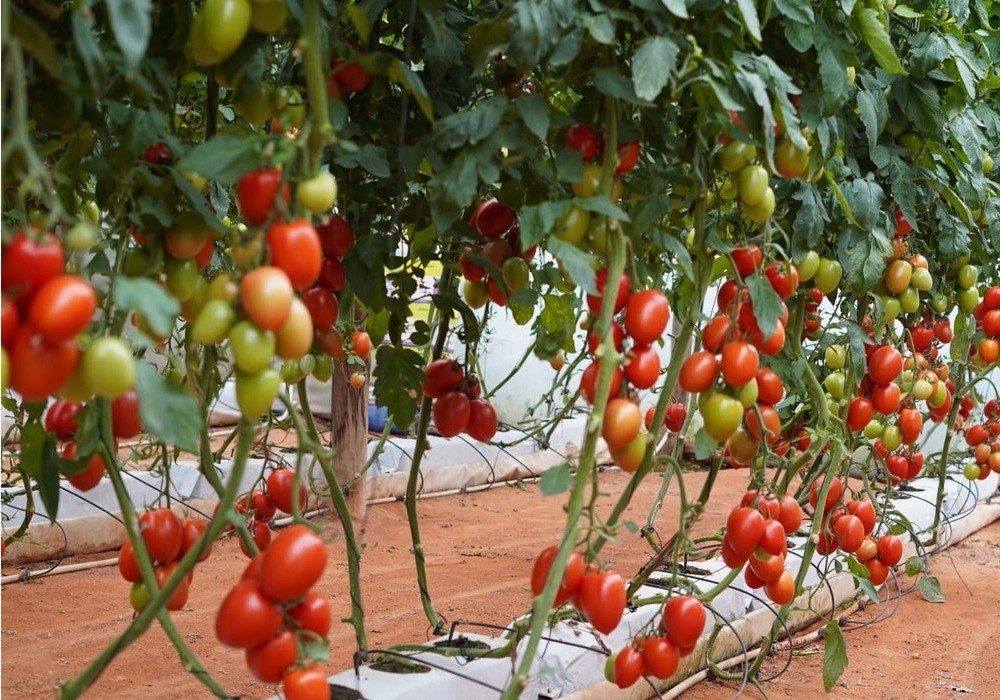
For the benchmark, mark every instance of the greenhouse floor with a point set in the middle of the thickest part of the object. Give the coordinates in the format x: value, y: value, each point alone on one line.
x: 480, y: 549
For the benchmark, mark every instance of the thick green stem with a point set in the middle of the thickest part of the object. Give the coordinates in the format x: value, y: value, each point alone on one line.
x: 312, y: 63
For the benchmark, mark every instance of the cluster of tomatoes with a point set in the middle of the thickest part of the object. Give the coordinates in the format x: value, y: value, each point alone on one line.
x: 458, y: 403
x: 497, y: 224
x: 599, y: 596
x: 259, y: 507
x: 44, y: 313
x: 987, y: 315
x: 732, y: 344
x: 984, y: 439
x: 755, y: 535
x: 275, y: 616
x: 60, y: 420
x: 658, y: 655
x: 167, y: 539
x: 643, y: 319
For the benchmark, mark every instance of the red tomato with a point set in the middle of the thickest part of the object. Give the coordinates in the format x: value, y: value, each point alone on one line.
x: 878, y: 572
x: 683, y: 620
x: 890, y: 550
x: 306, y: 684
x: 261, y: 505
x: 451, y: 413
x: 295, y: 248
x: 628, y: 156
x: 773, y: 539
x: 27, y: 264
x: 715, y: 333
x: 572, y: 575
x: 162, y: 533
x: 60, y: 418
x: 91, y: 475
x: 247, y: 617
x: 699, y: 372
x: 675, y: 416
x: 646, y: 316
x: 361, y: 344
x: 11, y: 323
x: 313, y: 614
x: 832, y: 496
x: 125, y: 420
x: 482, y: 423
x: 885, y: 398
x: 192, y: 530
x: 269, y: 661
x: 859, y: 413
x: 781, y: 591
x: 441, y: 376
x: 771, y: 423
x: 332, y: 274
x: 850, y: 532
x: 768, y: 570
x: 747, y: 260
x: 470, y: 270
x: 292, y: 564
x: 865, y: 512
x: 740, y: 362
x: 784, y: 278
x: 660, y: 656
x: 730, y: 556
x: 260, y: 532
x: 602, y: 599
x: 629, y: 667
x: 588, y: 381
x: 323, y: 306
x: 642, y: 368
x: 349, y: 75
x: 39, y: 368
x: 621, y: 297
x: 179, y: 597
x: 911, y: 422
x: 744, y: 528
x: 885, y: 364
x: 622, y: 422
x: 580, y: 137
x: 256, y: 192
x: 128, y: 567
x: 336, y: 236
x: 492, y: 218
x: 770, y: 388
x: 617, y: 338
x: 266, y: 294
x: 62, y: 307
x: 280, y: 483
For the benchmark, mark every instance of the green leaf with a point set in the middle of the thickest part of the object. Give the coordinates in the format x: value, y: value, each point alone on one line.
x: 766, y: 304
x: 86, y: 45
x: 797, y: 10
x: 652, y: 64
x: 401, y: 74
x: 537, y: 220
x: 876, y: 35
x: 834, y: 654
x: 748, y: 13
x: 599, y: 204
x: 48, y: 481
x: 874, y: 113
x: 224, y: 158
x: 556, y: 480
x: 914, y: 565
x: 865, y: 199
x: 678, y: 8
x: 369, y: 156
x: 862, y: 255
x: 613, y: 84
x: 534, y: 113
x: 681, y: 255
x: 578, y: 265
x: 930, y: 590
x: 131, y: 25
x: 862, y: 577
x: 470, y: 126
x: 398, y: 373
x: 810, y: 220
x: 704, y: 444
x: 601, y: 27
x: 168, y: 413
x: 150, y: 299
x: 33, y: 437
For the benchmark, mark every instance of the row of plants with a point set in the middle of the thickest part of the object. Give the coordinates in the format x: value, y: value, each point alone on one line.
x: 782, y: 218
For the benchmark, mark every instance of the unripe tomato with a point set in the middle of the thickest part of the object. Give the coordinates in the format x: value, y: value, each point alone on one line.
x: 317, y: 193
x: 108, y: 367
x: 752, y: 184
x: 722, y: 415
x: 808, y: 266
x: 295, y: 337
x: 828, y: 275
x: 256, y: 392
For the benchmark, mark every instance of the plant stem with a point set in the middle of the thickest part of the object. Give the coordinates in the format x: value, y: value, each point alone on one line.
x: 312, y: 64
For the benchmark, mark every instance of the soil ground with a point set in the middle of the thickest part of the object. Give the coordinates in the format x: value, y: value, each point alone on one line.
x: 480, y: 548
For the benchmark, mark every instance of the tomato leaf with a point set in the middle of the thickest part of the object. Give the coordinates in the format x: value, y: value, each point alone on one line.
x: 33, y: 437
x: 48, y: 480
x: 862, y: 578
x: 224, y: 158
x: 88, y: 433
x: 834, y: 654
x: 576, y: 263
x: 876, y: 35
x: 398, y: 372
x: 599, y: 204
x: 131, y: 25
x: 168, y: 413
x: 914, y: 565
x: 930, y: 590
x: 157, y: 306
x: 652, y: 64
x: 704, y: 444
x: 748, y: 13
x: 534, y: 113
x: 35, y: 41
x: 537, y: 220
x: 766, y: 303
x: 556, y: 480
x: 797, y: 10
x: 472, y: 125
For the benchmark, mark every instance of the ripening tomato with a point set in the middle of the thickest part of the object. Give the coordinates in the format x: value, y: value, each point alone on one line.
x: 722, y: 415
x: 62, y: 307
x: 646, y: 316
x: 280, y: 483
x: 602, y: 599
x: 266, y: 294
x: 361, y: 343
x: 308, y: 683
x: 451, y: 413
x: 781, y: 591
x: 161, y: 531
x: 572, y: 574
x: 256, y: 193
x: 629, y: 457
x: 642, y: 367
x: 295, y: 337
x: 40, y: 368
x: 247, y: 617
x: 699, y: 372
x: 740, y: 362
x: 622, y: 422
x: 771, y: 423
x: 295, y: 248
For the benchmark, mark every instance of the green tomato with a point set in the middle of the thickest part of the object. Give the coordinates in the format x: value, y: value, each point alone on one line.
x: 921, y: 279
x: 139, y: 597
x: 223, y: 287
x: 722, y: 415
x: 909, y: 300
x: 108, y: 367
x: 922, y: 390
x: 736, y: 155
x: 987, y: 162
x: 762, y: 211
x: 307, y: 363
x: 890, y: 309
x: 836, y: 356
x: 747, y: 394
x: 590, y: 183
x: 201, y: 53
x: 323, y: 370
x: 892, y: 437
x: 913, y: 144
x: 752, y: 184
x: 516, y: 273
x: 852, y: 75
x: 906, y: 379
x: 475, y: 294
x: 940, y: 303
x: 834, y: 384
x: 971, y: 471
x: 82, y: 237
x: 874, y: 429
x: 197, y: 180
x: 318, y: 193
x: 182, y: 278
x: 968, y: 299
x: 808, y: 266
x: 291, y: 373
x: 76, y: 387
x: 256, y: 392
x: 572, y: 226
x: 4, y: 370
x: 252, y: 347
x: 828, y: 275
x: 191, y: 307
x: 135, y: 262
x: 213, y: 322
x: 91, y: 212
x: 940, y: 395
x: 225, y: 24
x: 598, y: 237
x: 968, y: 275
x: 268, y: 17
